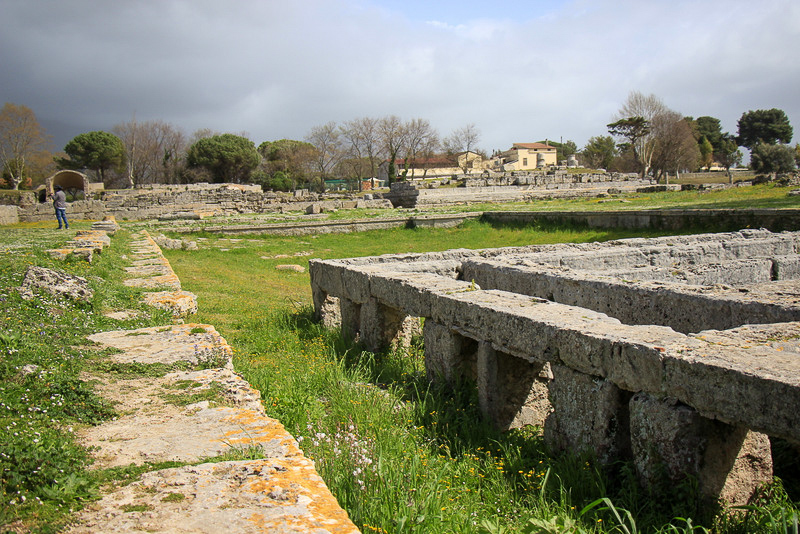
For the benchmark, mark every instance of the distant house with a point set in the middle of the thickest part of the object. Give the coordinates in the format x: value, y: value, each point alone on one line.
x: 524, y: 157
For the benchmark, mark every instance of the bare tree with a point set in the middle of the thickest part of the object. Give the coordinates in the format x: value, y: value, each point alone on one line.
x: 463, y: 140
x: 22, y: 139
x: 392, y: 133
x: 327, y: 140
x: 676, y: 149
x: 154, y: 150
x: 421, y: 141
x: 646, y: 108
x: 361, y: 142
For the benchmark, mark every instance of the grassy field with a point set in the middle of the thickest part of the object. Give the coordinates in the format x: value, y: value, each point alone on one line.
x: 400, y: 455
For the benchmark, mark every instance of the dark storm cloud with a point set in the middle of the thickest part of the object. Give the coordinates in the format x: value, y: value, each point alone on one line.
x: 527, y: 72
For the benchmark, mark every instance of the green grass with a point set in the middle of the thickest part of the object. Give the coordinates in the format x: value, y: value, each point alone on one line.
x: 43, y: 399
x: 399, y: 454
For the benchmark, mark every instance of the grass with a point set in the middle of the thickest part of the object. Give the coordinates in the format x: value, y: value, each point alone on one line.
x: 43, y: 399
x: 399, y: 454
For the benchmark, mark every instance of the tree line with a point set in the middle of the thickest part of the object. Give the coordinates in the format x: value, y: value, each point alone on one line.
x: 150, y: 152
x: 649, y: 138
x: 645, y: 137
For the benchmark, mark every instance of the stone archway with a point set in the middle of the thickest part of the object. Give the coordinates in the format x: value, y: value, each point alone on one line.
x: 69, y: 180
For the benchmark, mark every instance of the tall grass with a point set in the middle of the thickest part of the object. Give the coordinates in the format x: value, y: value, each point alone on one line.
x: 400, y: 454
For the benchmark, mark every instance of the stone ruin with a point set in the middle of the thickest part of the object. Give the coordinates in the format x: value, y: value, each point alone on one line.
x: 680, y: 353
x: 512, y: 187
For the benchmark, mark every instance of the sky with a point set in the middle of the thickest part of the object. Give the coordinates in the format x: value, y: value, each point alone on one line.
x: 520, y: 71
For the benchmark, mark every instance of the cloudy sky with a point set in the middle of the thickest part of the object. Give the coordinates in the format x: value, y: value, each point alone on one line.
x: 519, y: 70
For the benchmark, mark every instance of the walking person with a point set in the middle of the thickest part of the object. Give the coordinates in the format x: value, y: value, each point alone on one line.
x: 60, y: 205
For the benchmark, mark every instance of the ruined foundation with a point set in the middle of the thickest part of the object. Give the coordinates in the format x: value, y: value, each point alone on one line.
x: 680, y: 353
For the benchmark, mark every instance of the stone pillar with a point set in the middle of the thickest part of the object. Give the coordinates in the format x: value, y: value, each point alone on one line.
x: 383, y: 326
x: 589, y: 414
x: 448, y: 355
x: 673, y: 440
x: 512, y: 391
x: 326, y: 308
x: 350, y: 317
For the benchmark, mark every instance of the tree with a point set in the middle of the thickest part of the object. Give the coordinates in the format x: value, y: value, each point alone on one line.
x: 422, y: 140
x: 767, y: 126
x: 22, y: 140
x: 770, y: 159
x: 706, y: 152
x: 326, y: 139
x: 634, y: 131
x: 228, y: 157
x: 708, y: 127
x: 294, y: 160
x: 392, y: 133
x: 676, y: 149
x: 464, y: 139
x: 728, y: 154
x: 98, y: 151
x: 599, y: 152
x: 153, y: 149
x: 361, y: 146
x: 634, y: 121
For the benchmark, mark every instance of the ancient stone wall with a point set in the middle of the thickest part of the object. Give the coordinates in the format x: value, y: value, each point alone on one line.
x: 512, y: 187
x: 677, y: 352
x: 668, y: 219
x: 193, y: 201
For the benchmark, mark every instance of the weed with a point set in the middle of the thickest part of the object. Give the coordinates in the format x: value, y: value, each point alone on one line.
x: 174, y: 497
x: 212, y: 393
x: 127, y: 508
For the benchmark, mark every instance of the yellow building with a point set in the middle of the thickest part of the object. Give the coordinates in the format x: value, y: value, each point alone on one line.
x: 525, y: 157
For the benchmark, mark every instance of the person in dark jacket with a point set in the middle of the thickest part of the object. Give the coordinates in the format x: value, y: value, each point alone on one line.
x: 60, y: 205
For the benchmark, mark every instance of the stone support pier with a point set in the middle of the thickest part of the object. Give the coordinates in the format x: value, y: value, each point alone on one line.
x: 350, y: 313
x: 590, y: 414
x: 672, y: 440
x: 383, y: 326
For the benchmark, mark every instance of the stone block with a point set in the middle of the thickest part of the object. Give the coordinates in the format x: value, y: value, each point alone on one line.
x: 57, y: 283
x: 590, y: 414
x: 672, y: 440
x: 786, y: 267
x: 180, y: 303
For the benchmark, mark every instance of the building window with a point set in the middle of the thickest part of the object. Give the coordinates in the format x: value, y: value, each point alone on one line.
x: 524, y: 162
